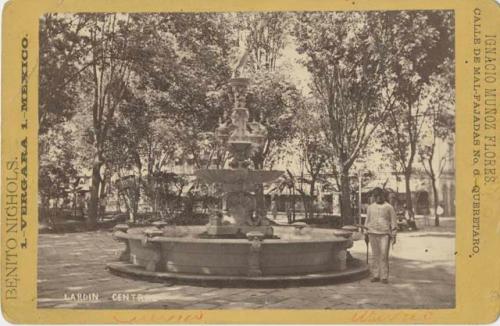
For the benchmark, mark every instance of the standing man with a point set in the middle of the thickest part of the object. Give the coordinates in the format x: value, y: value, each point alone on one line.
x: 381, y: 225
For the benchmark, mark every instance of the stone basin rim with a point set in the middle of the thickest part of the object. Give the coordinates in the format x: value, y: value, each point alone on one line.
x: 324, y: 236
x: 123, y: 235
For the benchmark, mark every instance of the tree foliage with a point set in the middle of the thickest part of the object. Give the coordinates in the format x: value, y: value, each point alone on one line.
x: 423, y: 48
x: 439, y: 128
x: 273, y: 101
x: 348, y: 66
x: 61, y: 61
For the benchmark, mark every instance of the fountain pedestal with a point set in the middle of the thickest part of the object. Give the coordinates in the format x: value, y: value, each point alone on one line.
x: 242, y: 208
x: 239, y: 186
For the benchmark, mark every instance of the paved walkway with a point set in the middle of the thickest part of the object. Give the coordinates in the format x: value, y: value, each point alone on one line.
x: 71, y: 266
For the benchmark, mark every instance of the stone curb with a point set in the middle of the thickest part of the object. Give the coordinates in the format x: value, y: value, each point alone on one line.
x: 356, y: 270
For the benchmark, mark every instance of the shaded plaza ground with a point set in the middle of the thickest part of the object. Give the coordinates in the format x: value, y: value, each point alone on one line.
x: 422, y: 275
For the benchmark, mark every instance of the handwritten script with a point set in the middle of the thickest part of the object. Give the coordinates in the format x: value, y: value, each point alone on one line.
x: 370, y: 316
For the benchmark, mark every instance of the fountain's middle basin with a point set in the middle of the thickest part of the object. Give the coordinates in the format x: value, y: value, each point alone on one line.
x: 179, y: 250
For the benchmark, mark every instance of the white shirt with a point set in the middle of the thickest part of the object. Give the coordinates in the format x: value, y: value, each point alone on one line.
x: 381, y: 219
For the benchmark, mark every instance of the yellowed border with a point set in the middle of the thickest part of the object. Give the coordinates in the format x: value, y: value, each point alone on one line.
x: 477, y: 277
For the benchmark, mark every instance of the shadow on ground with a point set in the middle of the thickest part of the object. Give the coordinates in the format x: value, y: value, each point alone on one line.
x: 436, y: 235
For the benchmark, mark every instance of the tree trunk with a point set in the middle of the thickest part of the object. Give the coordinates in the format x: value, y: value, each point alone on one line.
x: 94, y: 194
x: 118, y: 202
x: 409, y: 202
x: 189, y: 204
x: 306, y: 206
x: 436, y: 200
x: 137, y: 195
x: 44, y: 212
x: 260, y: 206
x: 432, y: 176
x: 73, y: 204
x: 312, y: 207
x: 345, y: 200
x: 102, y: 198
x: 129, y: 203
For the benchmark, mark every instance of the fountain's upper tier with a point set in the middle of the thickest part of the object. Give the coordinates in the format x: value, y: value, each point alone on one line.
x: 241, y: 136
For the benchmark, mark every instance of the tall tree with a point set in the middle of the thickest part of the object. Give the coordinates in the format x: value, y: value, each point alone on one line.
x: 123, y: 152
x: 439, y: 128
x: 117, y: 44
x: 422, y: 42
x: 178, y: 94
x: 313, y: 151
x: 60, y: 60
x: 345, y: 54
x: 107, y: 81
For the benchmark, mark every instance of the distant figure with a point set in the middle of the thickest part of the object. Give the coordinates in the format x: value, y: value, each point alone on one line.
x: 408, y: 213
x: 381, y: 225
x: 274, y: 209
x: 52, y: 218
x: 288, y: 209
x: 82, y: 204
x: 439, y: 210
x: 410, y: 218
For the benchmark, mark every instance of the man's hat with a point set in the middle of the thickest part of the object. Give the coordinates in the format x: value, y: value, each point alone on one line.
x: 377, y: 191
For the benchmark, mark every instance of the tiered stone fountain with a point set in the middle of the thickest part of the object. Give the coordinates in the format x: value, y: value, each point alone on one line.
x: 249, y: 249
x: 240, y: 183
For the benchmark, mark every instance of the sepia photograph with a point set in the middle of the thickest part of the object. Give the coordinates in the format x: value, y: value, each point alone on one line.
x: 246, y: 160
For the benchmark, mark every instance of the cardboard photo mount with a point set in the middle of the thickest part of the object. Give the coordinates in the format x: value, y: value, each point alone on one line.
x: 477, y: 264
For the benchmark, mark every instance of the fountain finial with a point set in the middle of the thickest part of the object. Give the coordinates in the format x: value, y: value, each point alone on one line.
x: 243, y: 54
x: 238, y: 70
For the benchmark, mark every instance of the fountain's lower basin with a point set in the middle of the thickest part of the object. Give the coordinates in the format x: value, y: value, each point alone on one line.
x: 179, y: 253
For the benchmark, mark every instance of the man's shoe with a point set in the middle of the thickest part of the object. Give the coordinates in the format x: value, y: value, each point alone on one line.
x: 385, y: 281
x: 375, y: 279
